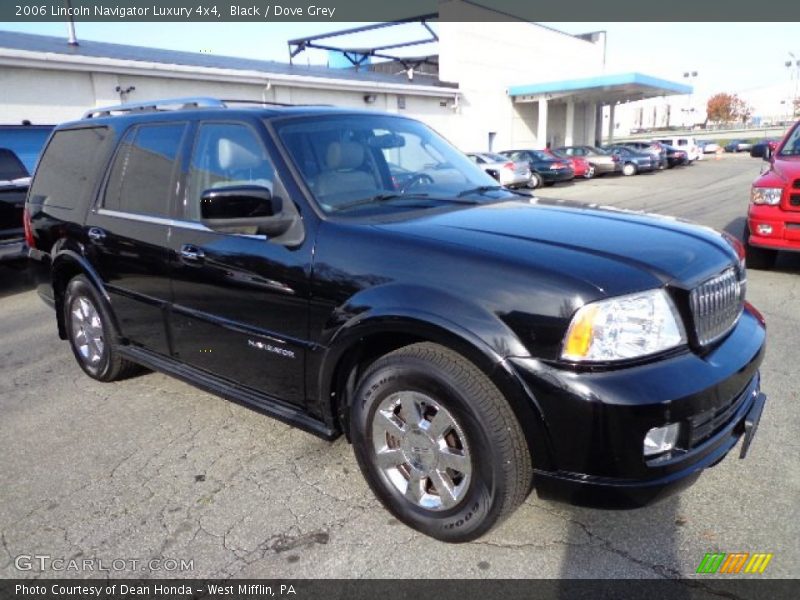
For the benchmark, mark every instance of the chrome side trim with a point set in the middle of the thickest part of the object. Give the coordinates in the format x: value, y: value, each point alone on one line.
x: 179, y: 223
x: 154, y: 220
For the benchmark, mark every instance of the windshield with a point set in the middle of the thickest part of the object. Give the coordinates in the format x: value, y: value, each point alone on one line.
x: 380, y: 164
x: 792, y: 145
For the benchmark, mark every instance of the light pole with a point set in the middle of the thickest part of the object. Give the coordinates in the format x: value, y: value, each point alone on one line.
x: 794, y: 74
x: 689, y: 76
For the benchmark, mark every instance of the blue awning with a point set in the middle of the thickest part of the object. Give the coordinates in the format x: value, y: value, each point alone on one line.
x: 616, y: 87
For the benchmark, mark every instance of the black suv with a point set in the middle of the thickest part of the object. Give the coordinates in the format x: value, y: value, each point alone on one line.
x: 471, y: 343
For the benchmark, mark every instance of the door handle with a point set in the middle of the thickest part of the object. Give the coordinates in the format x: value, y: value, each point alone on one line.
x: 96, y: 234
x: 192, y: 253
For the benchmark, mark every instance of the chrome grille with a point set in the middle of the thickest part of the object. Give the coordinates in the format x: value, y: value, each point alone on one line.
x: 716, y: 305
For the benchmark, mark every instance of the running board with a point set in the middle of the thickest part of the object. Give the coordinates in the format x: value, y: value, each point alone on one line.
x: 262, y: 403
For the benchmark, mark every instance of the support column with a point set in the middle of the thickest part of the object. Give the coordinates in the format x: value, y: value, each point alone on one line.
x: 611, y: 123
x: 568, y: 133
x: 541, y: 131
x: 598, y: 124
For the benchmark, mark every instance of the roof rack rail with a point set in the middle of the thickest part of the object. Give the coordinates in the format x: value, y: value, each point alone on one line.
x: 179, y: 104
x: 154, y: 106
x: 228, y: 101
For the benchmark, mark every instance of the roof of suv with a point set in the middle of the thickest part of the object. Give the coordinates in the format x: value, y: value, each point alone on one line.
x: 210, y: 108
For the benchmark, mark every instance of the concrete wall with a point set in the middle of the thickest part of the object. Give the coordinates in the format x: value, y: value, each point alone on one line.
x: 54, y: 96
x: 486, y: 57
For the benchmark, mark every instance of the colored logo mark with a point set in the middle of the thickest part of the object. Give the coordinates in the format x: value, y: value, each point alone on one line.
x: 736, y: 562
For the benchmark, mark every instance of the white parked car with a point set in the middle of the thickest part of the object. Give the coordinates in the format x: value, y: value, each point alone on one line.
x: 687, y: 144
x: 709, y: 147
x: 507, y: 172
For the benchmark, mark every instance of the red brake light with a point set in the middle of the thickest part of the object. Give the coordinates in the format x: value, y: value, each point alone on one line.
x: 26, y: 223
x: 509, y: 166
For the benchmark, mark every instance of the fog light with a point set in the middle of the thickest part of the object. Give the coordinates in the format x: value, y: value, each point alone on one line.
x: 661, y: 439
x: 764, y: 229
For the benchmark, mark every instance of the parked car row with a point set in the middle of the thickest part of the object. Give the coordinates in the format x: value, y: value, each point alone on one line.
x: 565, y: 163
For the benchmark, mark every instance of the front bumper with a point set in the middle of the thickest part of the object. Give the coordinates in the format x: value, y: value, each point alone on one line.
x: 785, y: 227
x: 13, y: 249
x: 596, y: 421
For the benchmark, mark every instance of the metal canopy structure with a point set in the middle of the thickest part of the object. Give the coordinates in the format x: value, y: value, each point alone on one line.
x: 358, y: 56
x: 607, y: 89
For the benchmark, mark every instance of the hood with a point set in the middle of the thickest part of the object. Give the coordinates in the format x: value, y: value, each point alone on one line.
x: 614, y: 251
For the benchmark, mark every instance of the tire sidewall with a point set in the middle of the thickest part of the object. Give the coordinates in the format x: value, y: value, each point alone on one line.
x: 78, y: 288
x: 475, y: 513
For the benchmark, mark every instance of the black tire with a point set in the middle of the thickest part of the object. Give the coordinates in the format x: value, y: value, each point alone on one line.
x: 629, y: 169
x: 109, y: 366
x: 535, y: 181
x: 501, y: 470
x: 758, y: 258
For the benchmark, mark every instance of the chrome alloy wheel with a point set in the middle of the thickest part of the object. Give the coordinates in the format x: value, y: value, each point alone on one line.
x: 422, y: 450
x: 87, y: 331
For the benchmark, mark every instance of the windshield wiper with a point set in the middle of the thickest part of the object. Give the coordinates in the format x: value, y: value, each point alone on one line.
x: 395, y: 196
x: 480, y: 190
x: 377, y: 199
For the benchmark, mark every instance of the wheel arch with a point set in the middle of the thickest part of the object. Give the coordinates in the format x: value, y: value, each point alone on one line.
x: 67, y: 264
x: 358, y: 347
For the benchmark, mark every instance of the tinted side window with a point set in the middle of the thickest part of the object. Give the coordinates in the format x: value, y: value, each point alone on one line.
x: 226, y: 154
x: 70, y: 167
x: 142, y: 173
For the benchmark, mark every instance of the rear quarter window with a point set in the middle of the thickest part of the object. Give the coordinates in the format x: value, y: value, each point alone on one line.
x: 70, y: 167
x: 141, y: 176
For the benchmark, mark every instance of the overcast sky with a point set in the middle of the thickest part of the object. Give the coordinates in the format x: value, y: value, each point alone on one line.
x: 731, y: 57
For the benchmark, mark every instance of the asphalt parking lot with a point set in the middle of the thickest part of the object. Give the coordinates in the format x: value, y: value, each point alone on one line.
x: 154, y: 468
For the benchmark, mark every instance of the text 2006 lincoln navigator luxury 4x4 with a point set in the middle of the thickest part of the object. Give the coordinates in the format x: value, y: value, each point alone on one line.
x: 351, y: 272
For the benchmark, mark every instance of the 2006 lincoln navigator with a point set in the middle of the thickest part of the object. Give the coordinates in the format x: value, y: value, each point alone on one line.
x: 351, y: 272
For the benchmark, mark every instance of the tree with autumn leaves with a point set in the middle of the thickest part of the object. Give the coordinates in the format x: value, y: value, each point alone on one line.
x: 727, y: 108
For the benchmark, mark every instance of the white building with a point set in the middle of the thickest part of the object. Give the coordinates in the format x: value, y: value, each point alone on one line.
x: 499, y: 84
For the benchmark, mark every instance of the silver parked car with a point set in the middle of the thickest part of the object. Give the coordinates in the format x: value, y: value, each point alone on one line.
x: 505, y: 171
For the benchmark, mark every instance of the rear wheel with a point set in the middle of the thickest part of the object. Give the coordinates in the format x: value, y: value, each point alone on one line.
x: 535, y: 181
x: 757, y: 257
x: 91, y: 335
x: 438, y: 443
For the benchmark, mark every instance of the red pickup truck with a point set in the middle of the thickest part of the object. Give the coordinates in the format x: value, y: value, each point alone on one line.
x: 773, y: 219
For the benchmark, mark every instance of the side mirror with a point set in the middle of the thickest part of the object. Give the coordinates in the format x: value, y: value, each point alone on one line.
x: 243, y: 209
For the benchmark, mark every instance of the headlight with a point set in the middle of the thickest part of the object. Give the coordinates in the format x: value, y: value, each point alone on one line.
x: 771, y: 196
x: 624, y: 327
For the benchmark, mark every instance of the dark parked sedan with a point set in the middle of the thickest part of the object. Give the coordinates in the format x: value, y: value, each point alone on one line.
x: 654, y: 149
x: 675, y: 157
x: 633, y: 162
x: 544, y: 168
x: 738, y: 146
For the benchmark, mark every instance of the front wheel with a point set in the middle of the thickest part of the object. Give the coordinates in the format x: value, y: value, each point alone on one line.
x: 589, y: 173
x: 629, y: 169
x: 438, y: 443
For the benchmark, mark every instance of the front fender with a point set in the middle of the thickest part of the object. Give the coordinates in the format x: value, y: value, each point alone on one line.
x: 432, y: 315
x: 459, y: 316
